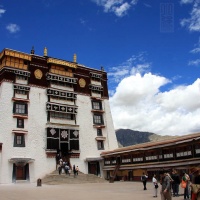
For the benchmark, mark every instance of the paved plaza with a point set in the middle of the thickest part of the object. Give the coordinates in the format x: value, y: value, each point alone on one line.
x: 88, y: 191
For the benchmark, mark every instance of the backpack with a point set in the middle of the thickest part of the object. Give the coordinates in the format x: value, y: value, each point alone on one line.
x: 143, y: 178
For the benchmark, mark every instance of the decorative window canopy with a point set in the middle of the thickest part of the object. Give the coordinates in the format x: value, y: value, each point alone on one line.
x: 100, y: 138
x: 21, y: 87
x: 88, y: 159
x: 54, y: 77
x: 18, y: 72
x: 19, y: 131
x: 96, y: 87
x: 94, y: 75
x: 61, y: 108
x: 61, y: 93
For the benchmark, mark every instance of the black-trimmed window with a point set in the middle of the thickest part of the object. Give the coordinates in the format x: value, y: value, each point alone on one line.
x: 97, y: 105
x: 59, y: 83
x: 19, y: 77
x: 99, y: 132
x: 62, y: 115
x: 20, y: 108
x: 20, y: 123
x: 96, y: 79
x: 19, y: 140
x: 21, y: 92
x: 100, y: 145
x: 96, y: 91
x: 98, y: 119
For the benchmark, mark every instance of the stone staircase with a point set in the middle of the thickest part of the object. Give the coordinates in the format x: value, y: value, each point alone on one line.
x: 55, y: 179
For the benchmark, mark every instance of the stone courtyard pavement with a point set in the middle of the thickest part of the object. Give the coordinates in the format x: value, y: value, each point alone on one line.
x: 88, y: 191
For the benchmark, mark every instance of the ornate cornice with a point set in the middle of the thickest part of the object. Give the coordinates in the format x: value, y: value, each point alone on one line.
x: 61, y: 62
x: 16, y: 54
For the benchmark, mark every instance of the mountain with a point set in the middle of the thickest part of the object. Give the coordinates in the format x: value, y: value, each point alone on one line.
x: 128, y: 137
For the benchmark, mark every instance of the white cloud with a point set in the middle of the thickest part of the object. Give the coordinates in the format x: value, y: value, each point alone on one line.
x: 197, y: 48
x: 135, y: 64
x: 194, y: 62
x: 193, y: 23
x: 13, y: 28
x: 2, y: 11
x: 119, y: 7
x: 139, y: 104
x: 122, y: 10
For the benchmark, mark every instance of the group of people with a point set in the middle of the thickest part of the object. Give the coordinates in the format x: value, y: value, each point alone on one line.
x: 170, y: 181
x: 64, y: 167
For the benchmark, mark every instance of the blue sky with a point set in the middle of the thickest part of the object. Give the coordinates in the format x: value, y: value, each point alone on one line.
x: 150, y: 49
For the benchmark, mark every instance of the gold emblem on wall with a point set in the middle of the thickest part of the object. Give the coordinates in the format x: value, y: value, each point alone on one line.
x: 82, y: 82
x: 38, y: 74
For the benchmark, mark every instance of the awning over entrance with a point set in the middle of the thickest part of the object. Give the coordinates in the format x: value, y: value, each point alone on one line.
x: 88, y: 159
x: 21, y: 161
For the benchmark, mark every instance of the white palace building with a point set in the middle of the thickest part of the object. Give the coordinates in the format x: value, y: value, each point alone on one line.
x: 50, y: 106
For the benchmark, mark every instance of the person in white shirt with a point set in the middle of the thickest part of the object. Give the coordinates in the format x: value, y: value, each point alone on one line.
x: 155, y: 186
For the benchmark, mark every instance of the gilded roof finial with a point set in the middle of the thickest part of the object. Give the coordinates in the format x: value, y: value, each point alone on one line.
x: 32, y: 50
x: 75, y: 57
x: 45, y: 51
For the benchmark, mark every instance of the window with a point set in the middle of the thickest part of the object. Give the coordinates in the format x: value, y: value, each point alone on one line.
x: 98, y: 119
x: 20, y: 92
x: 20, y: 108
x: 100, y: 145
x: 96, y: 105
x: 20, y: 123
x: 62, y: 115
x: 96, y: 79
x: 65, y: 84
x: 99, y: 132
x: 19, y: 140
x: 18, y: 77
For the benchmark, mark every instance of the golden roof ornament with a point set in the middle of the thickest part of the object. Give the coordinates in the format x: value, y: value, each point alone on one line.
x: 45, y: 51
x: 75, y: 57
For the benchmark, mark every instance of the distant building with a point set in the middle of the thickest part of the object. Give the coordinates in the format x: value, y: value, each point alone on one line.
x: 128, y: 163
x: 50, y: 106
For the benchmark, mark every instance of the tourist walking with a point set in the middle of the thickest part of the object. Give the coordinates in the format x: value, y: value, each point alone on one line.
x: 77, y: 170
x: 186, y: 179
x: 144, y: 178
x: 74, y: 170
x: 165, y: 186
x: 155, y: 186
x: 175, y: 183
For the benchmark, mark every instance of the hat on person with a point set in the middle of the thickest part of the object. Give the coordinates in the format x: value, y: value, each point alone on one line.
x: 194, y: 169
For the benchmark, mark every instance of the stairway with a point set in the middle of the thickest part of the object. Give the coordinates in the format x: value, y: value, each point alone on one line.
x: 55, y: 179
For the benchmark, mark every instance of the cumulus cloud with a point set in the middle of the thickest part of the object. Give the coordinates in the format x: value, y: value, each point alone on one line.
x: 194, y: 62
x: 13, y: 28
x: 139, y: 104
x: 119, y: 7
x: 2, y: 11
x: 193, y: 22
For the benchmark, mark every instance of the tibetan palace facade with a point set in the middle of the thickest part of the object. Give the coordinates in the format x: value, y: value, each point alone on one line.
x: 128, y: 163
x: 50, y: 106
